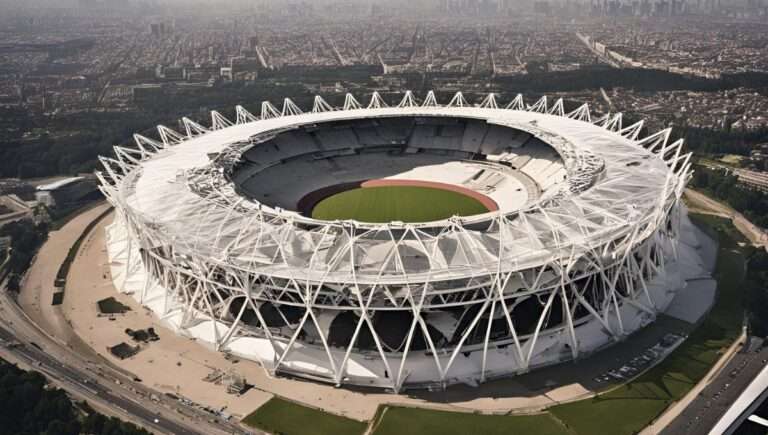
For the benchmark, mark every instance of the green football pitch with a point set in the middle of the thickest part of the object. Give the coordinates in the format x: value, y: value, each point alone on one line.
x: 396, y: 203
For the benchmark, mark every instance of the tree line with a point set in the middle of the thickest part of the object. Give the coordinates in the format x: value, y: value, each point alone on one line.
x: 721, y: 140
x: 70, y: 143
x: 752, y: 203
x: 31, y: 407
x: 26, y: 239
x: 757, y: 292
x: 641, y: 79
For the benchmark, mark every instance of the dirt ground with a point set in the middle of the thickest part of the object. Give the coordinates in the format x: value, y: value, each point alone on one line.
x: 177, y: 365
x: 37, y: 289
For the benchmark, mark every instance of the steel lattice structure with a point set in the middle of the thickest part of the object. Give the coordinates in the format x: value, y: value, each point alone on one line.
x: 401, y: 305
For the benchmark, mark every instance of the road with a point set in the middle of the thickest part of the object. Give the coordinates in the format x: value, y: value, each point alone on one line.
x: 706, y: 409
x: 602, y: 56
x: 85, y: 387
x: 755, y: 234
x: 37, y: 286
x: 701, y: 408
x: 87, y: 376
x: 607, y: 99
x: 106, y: 388
x: 82, y: 380
x: 74, y: 366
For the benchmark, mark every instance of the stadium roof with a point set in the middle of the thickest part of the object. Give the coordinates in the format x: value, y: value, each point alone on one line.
x: 620, y: 188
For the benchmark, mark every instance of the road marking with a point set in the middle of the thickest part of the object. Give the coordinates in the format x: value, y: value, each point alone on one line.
x: 757, y: 419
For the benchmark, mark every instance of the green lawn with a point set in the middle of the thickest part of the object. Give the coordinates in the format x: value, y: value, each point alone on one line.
x: 732, y: 159
x: 410, y: 421
x: 396, y: 203
x: 622, y: 411
x: 280, y: 416
x: 631, y: 407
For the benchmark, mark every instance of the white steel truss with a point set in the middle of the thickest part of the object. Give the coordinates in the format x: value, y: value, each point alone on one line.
x: 401, y: 305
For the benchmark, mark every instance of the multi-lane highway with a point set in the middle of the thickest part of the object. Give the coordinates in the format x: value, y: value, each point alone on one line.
x: 48, y: 344
x: 704, y: 411
x: 106, y: 388
x: 84, y: 386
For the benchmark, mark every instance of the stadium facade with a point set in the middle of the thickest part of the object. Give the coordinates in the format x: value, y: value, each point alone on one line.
x: 582, y: 249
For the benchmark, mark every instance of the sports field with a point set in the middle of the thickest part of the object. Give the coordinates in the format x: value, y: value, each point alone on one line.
x: 397, y: 203
x: 280, y: 416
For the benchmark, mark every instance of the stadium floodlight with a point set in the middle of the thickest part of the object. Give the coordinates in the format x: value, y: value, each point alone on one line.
x: 214, y: 232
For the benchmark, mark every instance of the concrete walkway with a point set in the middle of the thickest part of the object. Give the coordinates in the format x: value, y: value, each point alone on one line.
x: 699, y: 202
x: 177, y: 364
x: 37, y: 289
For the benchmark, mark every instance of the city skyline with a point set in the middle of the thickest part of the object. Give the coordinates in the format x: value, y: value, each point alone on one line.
x: 392, y: 217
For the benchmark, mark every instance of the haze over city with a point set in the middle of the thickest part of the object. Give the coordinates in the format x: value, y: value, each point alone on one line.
x: 314, y: 217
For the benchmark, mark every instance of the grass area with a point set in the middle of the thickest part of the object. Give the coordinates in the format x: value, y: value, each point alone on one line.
x: 283, y: 417
x: 411, y: 421
x: 631, y: 407
x: 732, y: 159
x: 621, y: 411
x: 397, y: 203
x: 407, y: 421
x: 719, y: 228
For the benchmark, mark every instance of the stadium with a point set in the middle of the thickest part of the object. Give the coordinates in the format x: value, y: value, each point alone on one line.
x: 415, y: 245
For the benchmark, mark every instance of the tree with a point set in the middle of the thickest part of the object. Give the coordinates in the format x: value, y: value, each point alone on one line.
x: 29, y: 408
